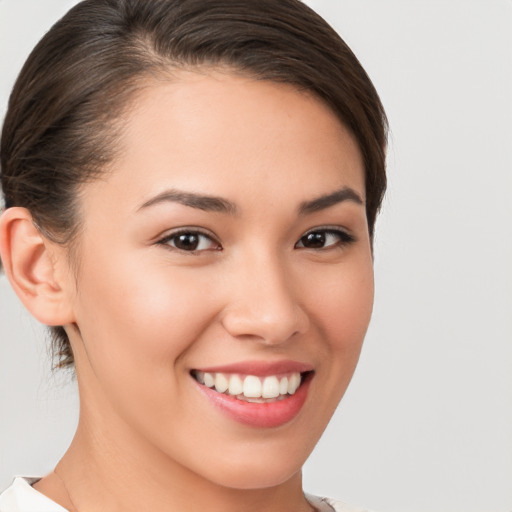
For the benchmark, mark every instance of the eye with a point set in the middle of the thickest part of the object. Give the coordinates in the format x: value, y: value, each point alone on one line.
x: 190, y: 240
x: 324, y: 239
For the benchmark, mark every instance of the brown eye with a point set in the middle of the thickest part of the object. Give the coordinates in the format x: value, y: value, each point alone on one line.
x: 190, y: 241
x: 187, y: 242
x: 315, y: 240
x: 323, y: 239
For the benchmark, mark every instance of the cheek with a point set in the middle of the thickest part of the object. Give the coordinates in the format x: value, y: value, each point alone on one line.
x: 343, y: 306
x: 136, y: 326
x: 342, y: 309
x: 150, y: 312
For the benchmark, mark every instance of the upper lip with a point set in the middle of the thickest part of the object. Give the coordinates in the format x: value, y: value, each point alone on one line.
x: 259, y: 368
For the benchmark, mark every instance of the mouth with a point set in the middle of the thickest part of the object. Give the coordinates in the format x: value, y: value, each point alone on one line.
x: 257, y: 395
x: 252, y: 388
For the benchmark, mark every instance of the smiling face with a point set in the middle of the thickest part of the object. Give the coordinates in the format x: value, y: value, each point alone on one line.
x: 225, y: 280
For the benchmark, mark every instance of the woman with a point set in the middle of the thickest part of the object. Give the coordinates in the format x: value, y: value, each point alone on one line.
x: 191, y: 189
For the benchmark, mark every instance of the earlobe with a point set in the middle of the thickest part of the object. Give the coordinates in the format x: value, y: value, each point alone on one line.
x: 30, y: 263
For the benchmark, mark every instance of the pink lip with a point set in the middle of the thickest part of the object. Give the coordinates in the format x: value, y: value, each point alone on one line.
x: 259, y: 415
x: 260, y: 368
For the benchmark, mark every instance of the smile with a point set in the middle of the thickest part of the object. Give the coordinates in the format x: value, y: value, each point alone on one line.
x: 251, y: 388
x: 256, y: 394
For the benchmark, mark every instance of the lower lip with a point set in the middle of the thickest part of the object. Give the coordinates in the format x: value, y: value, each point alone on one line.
x: 261, y: 415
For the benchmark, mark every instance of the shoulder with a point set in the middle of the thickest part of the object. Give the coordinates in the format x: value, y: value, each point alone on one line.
x: 330, y: 505
x: 22, y: 497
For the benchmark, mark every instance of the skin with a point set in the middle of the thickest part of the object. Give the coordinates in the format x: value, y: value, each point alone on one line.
x: 142, y: 314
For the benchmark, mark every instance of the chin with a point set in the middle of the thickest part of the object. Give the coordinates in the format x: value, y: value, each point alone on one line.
x: 246, y: 473
x: 250, y: 478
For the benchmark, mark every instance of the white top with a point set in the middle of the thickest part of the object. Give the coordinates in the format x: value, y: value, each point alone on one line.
x: 22, y: 497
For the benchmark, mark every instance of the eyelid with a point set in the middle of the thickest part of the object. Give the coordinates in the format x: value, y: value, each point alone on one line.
x: 346, y: 237
x: 169, y: 235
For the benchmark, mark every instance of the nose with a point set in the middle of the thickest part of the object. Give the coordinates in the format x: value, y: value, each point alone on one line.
x: 264, y: 303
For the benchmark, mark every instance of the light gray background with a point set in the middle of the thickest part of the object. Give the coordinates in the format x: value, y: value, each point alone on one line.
x: 427, y: 422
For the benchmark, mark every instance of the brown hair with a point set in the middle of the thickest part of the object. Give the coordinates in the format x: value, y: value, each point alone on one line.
x: 63, y: 116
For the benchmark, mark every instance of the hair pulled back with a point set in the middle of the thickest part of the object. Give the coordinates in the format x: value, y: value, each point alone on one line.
x: 65, y: 111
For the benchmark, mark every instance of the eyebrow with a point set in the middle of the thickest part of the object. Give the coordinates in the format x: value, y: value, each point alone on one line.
x: 193, y: 200
x: 221, y: 205
x: 328, y: 200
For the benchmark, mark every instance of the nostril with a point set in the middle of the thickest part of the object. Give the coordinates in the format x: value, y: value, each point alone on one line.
x: 270, y: 324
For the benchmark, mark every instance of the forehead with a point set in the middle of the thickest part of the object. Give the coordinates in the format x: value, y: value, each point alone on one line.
x: 227, y: 133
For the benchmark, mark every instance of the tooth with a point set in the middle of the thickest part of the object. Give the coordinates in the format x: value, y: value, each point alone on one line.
x: 252, y: 387
x: 270, y: 387
x: 236, y: 386
x: 209, y: 381
x: 255, y: 400
x: 200, y: 377
x: 293, y: 383
x: 283, y: 386
x: 221, y: 383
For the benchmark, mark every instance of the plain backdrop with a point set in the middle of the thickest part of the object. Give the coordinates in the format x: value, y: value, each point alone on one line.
x: 426, y: 425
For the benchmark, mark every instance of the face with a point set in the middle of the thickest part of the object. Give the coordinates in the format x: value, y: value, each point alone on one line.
x: 225, y: 279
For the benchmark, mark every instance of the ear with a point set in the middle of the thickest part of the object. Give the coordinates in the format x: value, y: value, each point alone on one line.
x: 36, y: 268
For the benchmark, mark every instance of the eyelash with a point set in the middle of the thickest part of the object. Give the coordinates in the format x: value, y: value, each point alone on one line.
x: 191, y: 232
x: 344, y: 239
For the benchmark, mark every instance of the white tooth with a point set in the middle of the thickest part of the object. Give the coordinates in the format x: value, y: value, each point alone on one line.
x: 252, y: 386
x: 221, y: 383
x: 236, y: 386
x: 283, y: 386
x: 209, y: 381
x: 270, y: 387
x: 200, y: 377
x: 293, y: 383
x: 298, y: 380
